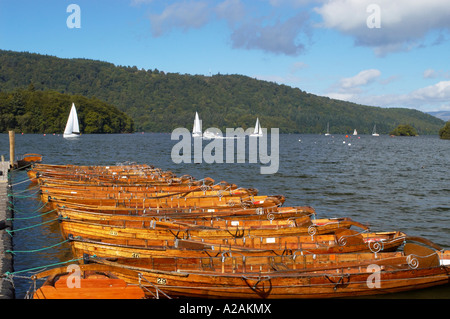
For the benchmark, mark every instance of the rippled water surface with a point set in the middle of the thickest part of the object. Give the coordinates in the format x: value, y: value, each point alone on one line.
x: 399, y: 183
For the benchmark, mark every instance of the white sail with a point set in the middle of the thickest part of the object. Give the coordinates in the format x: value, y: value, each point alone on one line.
x: 197, y: 129
x: 72, y: 127
x: 328, y: 130
x: 355, y: 132
x: 258, y: 130
x: 374, y: 131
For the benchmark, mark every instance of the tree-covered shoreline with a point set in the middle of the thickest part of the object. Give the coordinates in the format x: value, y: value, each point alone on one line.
x: 31, y: 111
x: 160, y: 102
x: 444, y: 133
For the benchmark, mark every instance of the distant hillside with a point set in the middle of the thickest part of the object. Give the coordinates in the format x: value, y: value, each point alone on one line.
x: 30, y: 111
x: 161, y: 102
x: 443, y: 115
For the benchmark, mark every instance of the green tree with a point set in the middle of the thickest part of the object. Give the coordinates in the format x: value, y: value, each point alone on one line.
x: 444, y: 133
x: 404, y: 130
x: 32, y: 111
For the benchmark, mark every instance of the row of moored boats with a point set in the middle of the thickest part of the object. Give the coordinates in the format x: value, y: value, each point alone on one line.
x: 144, y: 232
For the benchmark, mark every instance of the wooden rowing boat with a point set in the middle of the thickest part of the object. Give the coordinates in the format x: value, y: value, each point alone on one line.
x: 157, y: 177
x: 40, y: 168
x: 194, y: 216
x: 149, y: 193
x: 83, y: 283
x: 168, y: 230
x: 27, y: 160
x: 293, y: 217
x: 117, y: 175
x: 343, y: 241
x: 272, y: 211
x: 175, y: 202
x: 295, y: 276
x: 65, y: 185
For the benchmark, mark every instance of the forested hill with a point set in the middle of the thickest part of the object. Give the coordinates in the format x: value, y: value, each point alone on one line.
x: 161, y: 102
x: 31, y: 111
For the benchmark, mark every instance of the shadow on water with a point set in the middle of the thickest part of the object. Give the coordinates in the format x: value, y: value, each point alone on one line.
x: 389, y: 183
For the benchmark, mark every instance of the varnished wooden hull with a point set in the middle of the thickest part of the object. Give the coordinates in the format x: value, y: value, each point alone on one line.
x: 273, y: 211
x: 356, y: 278
x: 199, y: 216
x: 125, y: 229
x: 147, y: 193
x: 322, y: 244
x: 87, y: 285
x: 175, y: 202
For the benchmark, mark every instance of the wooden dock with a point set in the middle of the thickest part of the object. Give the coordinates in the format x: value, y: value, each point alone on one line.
x: 6, y: 259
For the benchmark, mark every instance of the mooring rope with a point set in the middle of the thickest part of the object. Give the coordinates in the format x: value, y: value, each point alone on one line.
x: 14, y: 273
x: 27, y: 190
x: 14, y: 195
x: 36, y: 250
x: 20, y: 212
x: 25, y: 180
x: 32, y: 226
x: 31, y: 217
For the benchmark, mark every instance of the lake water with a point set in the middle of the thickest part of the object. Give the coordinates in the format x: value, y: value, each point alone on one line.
x: 391, y: 183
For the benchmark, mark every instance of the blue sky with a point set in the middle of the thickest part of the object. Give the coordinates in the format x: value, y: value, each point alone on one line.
x: 389, y: 53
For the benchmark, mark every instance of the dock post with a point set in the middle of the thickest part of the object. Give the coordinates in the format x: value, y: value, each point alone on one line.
x: 12, y: 148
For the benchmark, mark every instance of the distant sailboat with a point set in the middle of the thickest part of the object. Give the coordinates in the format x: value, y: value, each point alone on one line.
x: 354, y: 132
x: 197, y: 129
x: 328, y: 130
x: 258, y: 130
x: 72, y: 127
x: 210, y: 134
x: 374, y: 131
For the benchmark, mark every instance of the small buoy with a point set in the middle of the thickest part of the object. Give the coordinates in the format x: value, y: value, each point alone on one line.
x: 349, y: 144
x: 346, y: 135
x: 44, y: 134
x: 343, y: 142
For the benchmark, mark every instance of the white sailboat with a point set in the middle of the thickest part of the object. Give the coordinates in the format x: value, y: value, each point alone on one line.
x: 328, y: 130
x: 355, y: 132
x: 258, y: 130
x: 72, y: 127
x: 374, y: 131
x: 197, y: 129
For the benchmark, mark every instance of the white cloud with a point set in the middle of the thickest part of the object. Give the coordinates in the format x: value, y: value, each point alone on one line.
x: 432, y: 74
x: 403, y: 23
x: 438, y: 92
x: 352, y: 88
x: 429, y: 74
x: 362, y: 78
x: 184, y: 15
x: 233, y: 11
x: 435, y: 97
x: 279, y: 37
x: 250, y: 30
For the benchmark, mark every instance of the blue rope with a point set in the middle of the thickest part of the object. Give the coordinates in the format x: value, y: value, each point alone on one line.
x: 24, y: 228
x: 30, y: 217
x: 40, y: 267
x: 36, y: 250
